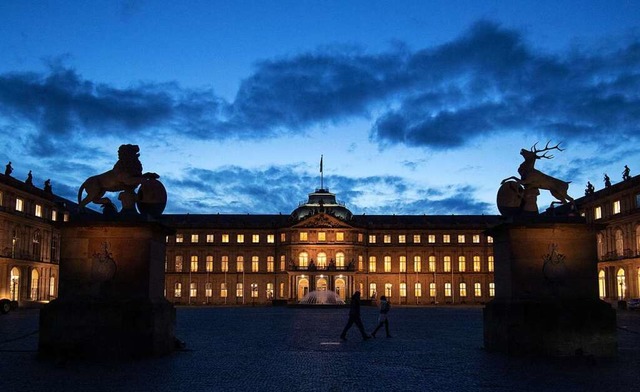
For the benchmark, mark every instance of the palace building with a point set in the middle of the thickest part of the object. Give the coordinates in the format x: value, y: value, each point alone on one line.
x: 264, y: 259
x: 29, y: 240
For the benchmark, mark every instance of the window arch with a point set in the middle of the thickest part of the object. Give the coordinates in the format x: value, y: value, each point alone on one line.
x: 14, y: 290
x: 619, y: 243
x: 322, y: 260
x: 340, y: 260
x: 303, y: 259
x: 387, y: 289
x: 602, y: 287
x: 600, y: 238
x: 621, y: 283
x: 35, y: 280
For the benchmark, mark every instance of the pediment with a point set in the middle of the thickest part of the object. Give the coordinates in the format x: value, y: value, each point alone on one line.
x: 322, y: 220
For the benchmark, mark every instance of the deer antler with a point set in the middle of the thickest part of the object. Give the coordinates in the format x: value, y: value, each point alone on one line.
x: 545, y: 150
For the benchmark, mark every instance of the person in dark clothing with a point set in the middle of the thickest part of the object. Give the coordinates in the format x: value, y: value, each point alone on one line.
x: 384, y: 309
x: 354, y: 318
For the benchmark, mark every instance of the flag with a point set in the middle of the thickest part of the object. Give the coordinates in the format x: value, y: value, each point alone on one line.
x: 320, y: 163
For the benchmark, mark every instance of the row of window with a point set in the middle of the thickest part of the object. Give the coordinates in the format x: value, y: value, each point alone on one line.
x: 388, y: 290
x: 446, y: 264
x: 616, y: 208
x: 38, y: 211
x: 321, y: 236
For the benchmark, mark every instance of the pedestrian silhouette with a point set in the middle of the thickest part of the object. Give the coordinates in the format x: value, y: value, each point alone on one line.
x: 354, y: 318
x: 383, y: 319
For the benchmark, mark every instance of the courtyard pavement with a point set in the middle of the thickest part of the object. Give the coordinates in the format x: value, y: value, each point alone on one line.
x: 290, y: 349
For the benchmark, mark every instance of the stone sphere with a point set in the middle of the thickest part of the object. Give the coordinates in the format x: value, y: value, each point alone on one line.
x: 152, y: 197
x: 509, y: 198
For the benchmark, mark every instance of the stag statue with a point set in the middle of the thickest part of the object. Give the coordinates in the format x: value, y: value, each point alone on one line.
x: 532, y: 180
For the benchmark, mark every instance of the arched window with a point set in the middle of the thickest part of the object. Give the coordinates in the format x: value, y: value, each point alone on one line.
x: 35, y: 244
x: 340, y: 260
x: 387, y: 289
x: 177, y: 290
x: 373, y: 290
x: 417, y: 290
x: 463, y: 289
x: 14, y: 290
x: 477, y: 289
x: 601, y: 252
x: 269, y: 292
x: 303, y: 259
x: 602, y: 288
x: 619, y: 243
x: 322, y: 260
x: 35, y: 280
x: 52, y: 286
x: 622, y: 284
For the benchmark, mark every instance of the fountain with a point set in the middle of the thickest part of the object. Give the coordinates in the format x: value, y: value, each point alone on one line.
x: 322, y: 297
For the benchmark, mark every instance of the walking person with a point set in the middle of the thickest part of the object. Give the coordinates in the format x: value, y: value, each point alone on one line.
x: 385, y: 306
x: 354, y: 318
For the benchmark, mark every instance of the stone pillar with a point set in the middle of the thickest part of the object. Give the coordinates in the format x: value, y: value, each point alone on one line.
x: 546, y: 302
x: 111, y: 301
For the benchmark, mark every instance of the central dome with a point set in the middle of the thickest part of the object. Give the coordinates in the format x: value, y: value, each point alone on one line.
x: 321, y: 201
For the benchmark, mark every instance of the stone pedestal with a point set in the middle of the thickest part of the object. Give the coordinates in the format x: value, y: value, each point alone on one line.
x: 111, y: 294
x: 546, y: 299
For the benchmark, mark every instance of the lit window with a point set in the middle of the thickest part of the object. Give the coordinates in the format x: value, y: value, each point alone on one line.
x: 340, y: 236
x: 447, y: 264
x: 447, y: 289
x: 1, y: 199
x: 403, y: 263
x: 387, y: 239
x: 240, y: 238
x: 477, y: 266
x: 166, y: 263
x: 270, y: 264
x: 463, y: 289
x: 476, y: 238
x: 372, y: 290
x: 322, y: 236
x: 360, y: 263
x: 462, y: 263
x: 417, y: 264
x: 54, y: 215
x: 19, y: 204
x: 223, y: 290
x: 209, y: 263
x: 490, y: 263
x: 372, y: 238
x: 255, y: 238
x: 224, y: 264
x: 209, y: 238
x: 372, y: 264
x: 208, y: 290
x: 619, y: 237
x: 402, y: 239
x: 446, y: 238
x: 461, y: 239
x: 340, y: 260
x: 492, y: 289
x: 179, y: 238
x: 432, y: 290
x: 616, y: 207
x: 271, y: 238
x: 387, y: 264
x: 281, y: 289
x: 417, y: 290
x: 303, y: 259
x: 254, y: 290
x: 178, y: 263
x: 38, y: 210
x: 322, y: 260
x: 177, y: 290
x: 193, y: 290
x: 477, y: 289
x: 269, y: 291
x: 65, y: 217
x: 432, y: 264
x: 403, y: 290
x: 489, y: 239
x: 195, y: 238
x: 303, y: 236
x: 239, y: 290
x: 360, y: 237
x: 387, y: 289
x: 416, y: 238
x: 283, y: 237
x: 283, y: 263
x: 240, y: 264
x: 225, y: 238
x: 255, y: 264
x: 431, y: 239
x: 194, y: 263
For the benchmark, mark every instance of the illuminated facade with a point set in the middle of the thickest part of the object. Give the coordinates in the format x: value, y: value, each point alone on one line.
x: 29, y: 241
x: 254, y: 259
x: 617, y: 209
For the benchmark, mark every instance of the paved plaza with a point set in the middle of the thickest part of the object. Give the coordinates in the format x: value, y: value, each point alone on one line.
x: 291, y: 349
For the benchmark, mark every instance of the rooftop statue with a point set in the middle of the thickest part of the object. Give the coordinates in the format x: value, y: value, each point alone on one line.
x: 125, y: 177
x: 626, y: 173
x: 519, y: 195
x: 8, y: 169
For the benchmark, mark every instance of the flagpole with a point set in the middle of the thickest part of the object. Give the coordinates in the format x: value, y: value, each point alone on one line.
x: 321, y: 174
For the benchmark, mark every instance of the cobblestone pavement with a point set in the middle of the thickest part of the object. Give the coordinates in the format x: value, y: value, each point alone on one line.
x: 289, y: 349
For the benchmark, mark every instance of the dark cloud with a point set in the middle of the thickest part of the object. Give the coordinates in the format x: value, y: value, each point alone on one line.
x: 490, y: 80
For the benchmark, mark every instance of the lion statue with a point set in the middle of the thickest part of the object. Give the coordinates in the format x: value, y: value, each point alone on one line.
x: 125, y: 176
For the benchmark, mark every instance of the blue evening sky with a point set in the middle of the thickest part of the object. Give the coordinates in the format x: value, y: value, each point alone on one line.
x: 419, y: 107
